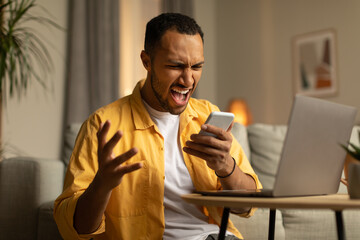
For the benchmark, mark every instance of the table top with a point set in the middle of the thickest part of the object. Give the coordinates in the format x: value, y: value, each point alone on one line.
x: 334, y: 201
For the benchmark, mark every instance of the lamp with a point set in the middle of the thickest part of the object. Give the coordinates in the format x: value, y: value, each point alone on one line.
x: 241, y: 111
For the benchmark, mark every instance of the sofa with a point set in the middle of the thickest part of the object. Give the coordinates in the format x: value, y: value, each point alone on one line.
x: 29, y: 186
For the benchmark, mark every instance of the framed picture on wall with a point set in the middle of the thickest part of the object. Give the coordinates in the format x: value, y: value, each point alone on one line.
x: 315, y: 63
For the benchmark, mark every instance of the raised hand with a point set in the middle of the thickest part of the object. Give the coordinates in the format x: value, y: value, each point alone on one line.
x: 111, y: 169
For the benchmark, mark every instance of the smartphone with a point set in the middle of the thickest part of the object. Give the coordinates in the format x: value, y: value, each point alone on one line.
x: 219, y: 119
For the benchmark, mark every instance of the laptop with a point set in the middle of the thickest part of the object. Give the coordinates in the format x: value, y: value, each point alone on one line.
x: 312, y: 159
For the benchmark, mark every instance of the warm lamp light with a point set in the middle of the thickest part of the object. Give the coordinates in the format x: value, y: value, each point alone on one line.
x: 241, y: 111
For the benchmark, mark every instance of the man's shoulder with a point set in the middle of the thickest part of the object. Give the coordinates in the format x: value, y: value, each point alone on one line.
x: 202, y: 106
x: 114, y: 110
x: 201, y: 109
x: 119, y: 104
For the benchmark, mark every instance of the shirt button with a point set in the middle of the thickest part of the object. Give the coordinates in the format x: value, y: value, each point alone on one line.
x: 162, y: 149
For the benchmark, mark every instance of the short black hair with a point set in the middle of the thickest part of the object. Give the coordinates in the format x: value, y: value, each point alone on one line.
x: 157, y: 27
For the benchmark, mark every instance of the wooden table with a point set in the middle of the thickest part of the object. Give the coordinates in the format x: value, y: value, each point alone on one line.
x: 335, y: 202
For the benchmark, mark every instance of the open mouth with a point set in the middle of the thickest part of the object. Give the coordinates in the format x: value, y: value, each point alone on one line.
x: 180, y: 96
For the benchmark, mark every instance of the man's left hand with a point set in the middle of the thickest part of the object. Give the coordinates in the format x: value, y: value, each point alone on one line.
x: 215, y: 151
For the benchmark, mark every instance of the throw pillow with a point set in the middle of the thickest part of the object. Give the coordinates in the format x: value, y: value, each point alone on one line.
x: 266, y: 143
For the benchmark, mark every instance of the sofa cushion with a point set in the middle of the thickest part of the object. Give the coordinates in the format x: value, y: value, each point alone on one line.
x: 351, y: 223
x: 240, y: 134
x: 257, y: 226
x: 309, y: 224
x: 319, y: 224
x: 25, y: 184
x: 266, y: 142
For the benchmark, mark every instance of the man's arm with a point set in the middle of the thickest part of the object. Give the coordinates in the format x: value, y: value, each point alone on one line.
x: 92, y: 203
x: 216, y: 153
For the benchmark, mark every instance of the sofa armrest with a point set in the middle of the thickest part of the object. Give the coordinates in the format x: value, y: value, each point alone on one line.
x: 25, y: 184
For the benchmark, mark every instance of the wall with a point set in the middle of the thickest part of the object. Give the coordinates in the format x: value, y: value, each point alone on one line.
x: 133, y: 18
x: 239, y: 55
x: 206, y: 17
x: 296, y: 17
x: 253, y: 51
x: 33, y: 124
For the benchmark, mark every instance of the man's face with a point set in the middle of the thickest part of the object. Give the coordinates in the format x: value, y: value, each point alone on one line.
x: 175, y: 71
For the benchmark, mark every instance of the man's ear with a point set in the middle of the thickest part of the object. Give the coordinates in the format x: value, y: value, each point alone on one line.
x: 145, y: 58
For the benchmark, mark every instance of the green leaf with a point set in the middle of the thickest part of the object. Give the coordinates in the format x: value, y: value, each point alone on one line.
x: 356, y: 148
x: 23, y: 54
x: 4, y: 6
x: 352, y: 150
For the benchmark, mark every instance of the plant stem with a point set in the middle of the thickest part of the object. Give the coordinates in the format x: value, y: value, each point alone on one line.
x: 1, y: 109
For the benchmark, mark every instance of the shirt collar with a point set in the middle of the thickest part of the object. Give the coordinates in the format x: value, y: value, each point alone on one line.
x: 141, y: 116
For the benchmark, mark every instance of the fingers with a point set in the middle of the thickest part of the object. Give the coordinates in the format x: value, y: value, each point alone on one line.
x: 102, y: 133
x: 109, y: 146
x: 118, y: 169
x: 214, y: 161
x: 131, y: 168
x: 219, y: 132
x: 211, y: 147
x: 196, y: 153
x: 112, y: 167
x: 124, y: 157
x: 206, y: 152
x: 105, y: 148
x: 200, y: 141
x: 213, y: 150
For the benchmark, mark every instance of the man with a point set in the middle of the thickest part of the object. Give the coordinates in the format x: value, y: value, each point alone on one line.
x: 134, y: 158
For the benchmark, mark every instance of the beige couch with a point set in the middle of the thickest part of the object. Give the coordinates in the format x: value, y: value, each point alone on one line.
x: 28, y: 187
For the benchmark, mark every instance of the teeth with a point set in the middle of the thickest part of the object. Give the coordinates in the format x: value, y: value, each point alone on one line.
x: 182, y: 92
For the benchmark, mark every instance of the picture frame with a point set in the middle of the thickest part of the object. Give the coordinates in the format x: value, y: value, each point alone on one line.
x: 315, y: 71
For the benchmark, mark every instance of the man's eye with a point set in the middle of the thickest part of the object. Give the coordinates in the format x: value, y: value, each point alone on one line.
x: 197, y: 67
x: 174, y: 66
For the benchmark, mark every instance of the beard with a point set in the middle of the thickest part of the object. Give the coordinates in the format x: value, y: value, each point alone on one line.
x: 158, y: 89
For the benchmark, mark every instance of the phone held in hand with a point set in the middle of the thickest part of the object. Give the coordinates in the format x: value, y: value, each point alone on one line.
x: 218, y: 119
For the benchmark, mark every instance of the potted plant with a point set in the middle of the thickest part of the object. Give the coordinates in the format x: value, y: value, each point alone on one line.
x: 352, y: 169
x: 24, y: 57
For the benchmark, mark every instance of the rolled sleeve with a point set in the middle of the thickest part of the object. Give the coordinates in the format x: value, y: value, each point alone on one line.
x: 64, y: 210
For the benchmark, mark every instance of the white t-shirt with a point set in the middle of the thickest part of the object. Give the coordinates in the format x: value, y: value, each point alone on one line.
x: 182, y: 220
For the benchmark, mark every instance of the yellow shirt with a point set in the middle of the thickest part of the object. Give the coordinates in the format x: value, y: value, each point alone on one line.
x: 135, y: 209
